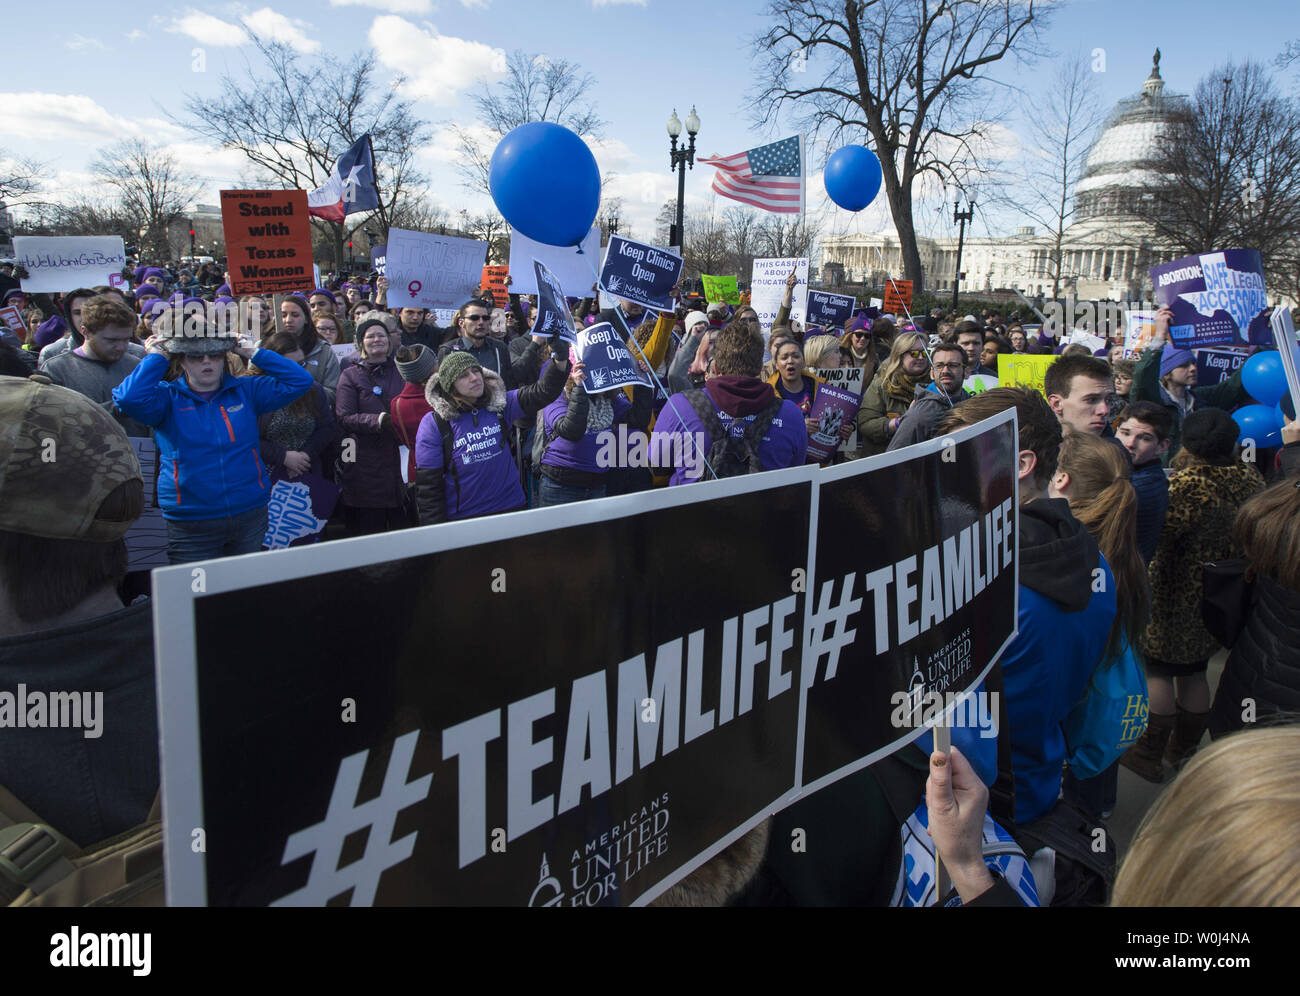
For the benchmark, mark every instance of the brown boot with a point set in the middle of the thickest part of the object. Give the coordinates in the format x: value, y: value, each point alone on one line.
x: 1188, y: 730
x: 1146, y: 757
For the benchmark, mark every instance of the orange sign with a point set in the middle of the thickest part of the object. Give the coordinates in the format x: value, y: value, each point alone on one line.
x: 13, y: 318
x: 268, y: 241
x: 898, y: 295
x: 494, y: 280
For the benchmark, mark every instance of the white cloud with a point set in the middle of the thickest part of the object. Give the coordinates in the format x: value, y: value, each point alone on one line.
x: 392, y: 6
x: 206, y: 28
x: 46, y: 117
x: 81, y: 41
x: 135, y: 34
x: 436, y: 66
x: 270, y: 24
x: 618, y: 3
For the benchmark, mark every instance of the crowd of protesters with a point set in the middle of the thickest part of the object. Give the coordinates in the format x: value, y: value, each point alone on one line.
x: 1128, y: 471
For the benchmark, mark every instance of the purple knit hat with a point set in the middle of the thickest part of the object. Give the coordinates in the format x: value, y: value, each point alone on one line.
x: 50, y: 330
x: 146, y: 291
x: 1172, y: 357
x: 225, y: 291
x: 328, y: 293
x: 138, y: 274
x: 154, y: 271
x: 153, y: 307
x: 859, y: 323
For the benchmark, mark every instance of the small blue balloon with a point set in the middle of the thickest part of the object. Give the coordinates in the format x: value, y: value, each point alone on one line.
x: 1264, y: 378
x: 1260, y: 423
x: 853, y: 177
x: 546, y: 184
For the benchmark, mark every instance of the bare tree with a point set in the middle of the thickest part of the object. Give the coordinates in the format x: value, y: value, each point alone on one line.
x: 1229, y: 172
x: 81, y: 214
x: 742, y: 238
x: 20, y: 178
x: 293, y: 119
x: 151, y: 187
x: 707, y: 248
x: 416, y: 213
x: 491, y: 228
x: 1063, y: 119
x: 780, y: 235
x: 664, y: 221
x: 535, y: 88
x: 909, y: 75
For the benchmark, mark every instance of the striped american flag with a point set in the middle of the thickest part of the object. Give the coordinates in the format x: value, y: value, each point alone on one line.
x: 769, y: 177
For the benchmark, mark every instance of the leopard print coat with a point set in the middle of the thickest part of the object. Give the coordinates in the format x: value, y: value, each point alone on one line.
x: 1203, y: 502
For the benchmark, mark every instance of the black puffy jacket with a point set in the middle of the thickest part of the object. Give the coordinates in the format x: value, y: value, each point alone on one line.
x: 1265, y: 661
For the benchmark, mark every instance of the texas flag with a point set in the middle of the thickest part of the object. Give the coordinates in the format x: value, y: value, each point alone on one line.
x: 350, y: 188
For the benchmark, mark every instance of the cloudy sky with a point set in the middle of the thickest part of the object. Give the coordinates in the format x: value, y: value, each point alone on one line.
x: 86, y: 74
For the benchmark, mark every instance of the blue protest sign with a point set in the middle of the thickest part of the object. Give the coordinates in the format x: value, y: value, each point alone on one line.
x: 298, y: 510
x: 1217, y: 299
x: 553, y: 315
x: 640, y: 273
x: 609, y: 364
x: 1214, y: 366
x: 830, y: 311
x: 379, y: 258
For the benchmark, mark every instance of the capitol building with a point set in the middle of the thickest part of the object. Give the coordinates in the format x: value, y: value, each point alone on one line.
x: 1106, y: 251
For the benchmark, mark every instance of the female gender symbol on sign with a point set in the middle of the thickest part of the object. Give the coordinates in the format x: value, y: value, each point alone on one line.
x: 413, y: 287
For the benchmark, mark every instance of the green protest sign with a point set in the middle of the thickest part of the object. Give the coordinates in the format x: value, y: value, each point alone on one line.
x: 721, y: 289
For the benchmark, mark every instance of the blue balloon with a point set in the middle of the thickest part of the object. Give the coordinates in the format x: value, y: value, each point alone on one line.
x: 546, y: 184
x: 853, y: 177
x: 1259, y: 423
x: 1264, y: 378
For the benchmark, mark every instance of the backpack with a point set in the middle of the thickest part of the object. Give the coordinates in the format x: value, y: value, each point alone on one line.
x: 41, y: 867
x: 731, y: 456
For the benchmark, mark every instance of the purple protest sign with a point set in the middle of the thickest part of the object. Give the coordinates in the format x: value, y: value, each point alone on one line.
x: 1217, y: 299
x: 379, y: 258
x: 827, y: 310
x: 1214, y: 366
x: 608, y: 362
x: 298, y: 510
x: 832, y: 408
x: 553, y: 315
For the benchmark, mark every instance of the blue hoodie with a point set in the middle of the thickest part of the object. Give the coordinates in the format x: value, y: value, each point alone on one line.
x: 209, y: 465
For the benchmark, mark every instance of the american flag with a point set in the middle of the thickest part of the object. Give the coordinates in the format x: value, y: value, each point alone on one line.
x: 769, y: 177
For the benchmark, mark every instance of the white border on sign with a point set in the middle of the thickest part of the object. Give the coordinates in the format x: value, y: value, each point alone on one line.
x: 174, y: 598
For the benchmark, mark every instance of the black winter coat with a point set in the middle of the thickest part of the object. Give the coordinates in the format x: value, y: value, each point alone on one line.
x: 1265, y: 661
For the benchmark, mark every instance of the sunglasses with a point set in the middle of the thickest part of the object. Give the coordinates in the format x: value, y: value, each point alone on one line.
x: 917, y: 354
x: 477, y: 318
x: 860, y: 334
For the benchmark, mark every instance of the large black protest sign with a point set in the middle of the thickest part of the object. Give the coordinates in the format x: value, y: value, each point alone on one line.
x: 827, y: 310
x: 525, y: 727
x: 562, y: 706
x: 916, y: 589
x: 640, y: 273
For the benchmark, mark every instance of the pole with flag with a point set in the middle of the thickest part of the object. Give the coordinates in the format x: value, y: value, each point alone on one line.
x: 769, y: 177
x: 351, y: 187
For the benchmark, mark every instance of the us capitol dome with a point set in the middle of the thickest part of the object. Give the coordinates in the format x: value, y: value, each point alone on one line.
x: 1106, y: 251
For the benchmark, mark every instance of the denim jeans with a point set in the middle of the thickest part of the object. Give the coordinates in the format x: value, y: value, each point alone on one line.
x: 555, y: 493
x: 204, y: 539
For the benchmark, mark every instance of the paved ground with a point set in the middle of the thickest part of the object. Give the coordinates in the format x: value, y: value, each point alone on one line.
x: 1136, y: 794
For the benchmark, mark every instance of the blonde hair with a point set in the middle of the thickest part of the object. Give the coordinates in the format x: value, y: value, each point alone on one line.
x: 816, y: 348
x: 1225, y: 833
x: 1267, y: 530
x: 892, y: 374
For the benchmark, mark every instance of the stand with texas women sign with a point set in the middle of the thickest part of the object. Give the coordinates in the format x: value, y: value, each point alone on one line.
x: 601, y: 753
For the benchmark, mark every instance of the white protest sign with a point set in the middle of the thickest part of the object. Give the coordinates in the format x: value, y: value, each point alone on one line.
x: 432, y: 271
x: 67, y: 262
x: 876, y: 302
x: 1284, y: 338
x: 1139, y: 328
x: 575, y: 271
x: 767, y: 288
x: 1082, y: 337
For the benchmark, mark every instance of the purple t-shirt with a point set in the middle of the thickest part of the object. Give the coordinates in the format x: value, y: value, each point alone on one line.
x: 484, y: 479
x: 579, y: 455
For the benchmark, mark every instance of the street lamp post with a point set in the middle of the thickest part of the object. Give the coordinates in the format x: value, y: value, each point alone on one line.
x: 960, y: 218
x: 680, y: 160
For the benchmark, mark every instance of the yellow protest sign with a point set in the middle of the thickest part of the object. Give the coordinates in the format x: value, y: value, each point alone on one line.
x: 1024, y: 369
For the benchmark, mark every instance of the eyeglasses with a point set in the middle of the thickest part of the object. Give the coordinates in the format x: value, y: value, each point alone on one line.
x: 949, y: 366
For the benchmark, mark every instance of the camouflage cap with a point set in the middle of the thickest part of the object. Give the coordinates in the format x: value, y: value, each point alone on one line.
x: 196, y: 328
x: 61, y: 455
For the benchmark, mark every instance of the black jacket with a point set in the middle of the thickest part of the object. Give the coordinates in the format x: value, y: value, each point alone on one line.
x: 496, y: 356
x: 1265, y: 661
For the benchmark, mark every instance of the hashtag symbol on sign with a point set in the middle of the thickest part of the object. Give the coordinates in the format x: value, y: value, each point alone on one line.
x: 837, y: 616
x: 344, y: 817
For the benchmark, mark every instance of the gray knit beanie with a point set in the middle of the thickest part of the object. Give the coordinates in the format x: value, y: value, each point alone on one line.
x: 418, y: 364
x: 456, y: 364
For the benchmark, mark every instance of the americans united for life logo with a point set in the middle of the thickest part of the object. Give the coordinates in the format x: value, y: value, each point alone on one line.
x: 602, y: 868
x: 930, y: 694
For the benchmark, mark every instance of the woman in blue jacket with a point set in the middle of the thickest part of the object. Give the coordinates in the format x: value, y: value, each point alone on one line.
x: 464, y: 467
x: 212, y: 485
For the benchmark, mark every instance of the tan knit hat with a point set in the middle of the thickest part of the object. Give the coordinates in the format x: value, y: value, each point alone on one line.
x: 61, y: 455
